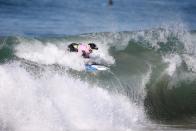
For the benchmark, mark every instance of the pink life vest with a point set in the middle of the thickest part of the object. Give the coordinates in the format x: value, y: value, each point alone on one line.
x: 84, y: 48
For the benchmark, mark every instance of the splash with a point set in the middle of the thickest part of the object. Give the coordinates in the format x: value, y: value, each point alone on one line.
x: 60, y: 102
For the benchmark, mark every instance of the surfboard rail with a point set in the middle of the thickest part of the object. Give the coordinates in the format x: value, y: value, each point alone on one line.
x: 95, y: 67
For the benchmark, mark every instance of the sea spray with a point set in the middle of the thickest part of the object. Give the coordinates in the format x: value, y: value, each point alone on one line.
x: 56, y: 102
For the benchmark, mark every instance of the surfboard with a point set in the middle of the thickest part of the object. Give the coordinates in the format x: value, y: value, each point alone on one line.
x: 95, y: 67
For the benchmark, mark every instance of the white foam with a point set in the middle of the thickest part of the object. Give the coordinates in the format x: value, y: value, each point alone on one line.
x: 48, y: 53
x: 56, y: 53
x: 173, y: 61
x: 148, y: 38
x: 190, y: 62
x: 102, y: 55
x: 55, y: 102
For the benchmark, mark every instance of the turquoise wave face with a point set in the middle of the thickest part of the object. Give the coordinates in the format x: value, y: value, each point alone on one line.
x: 154, y: 69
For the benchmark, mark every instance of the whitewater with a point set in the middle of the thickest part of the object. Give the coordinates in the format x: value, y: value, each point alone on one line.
x: 52, y: 91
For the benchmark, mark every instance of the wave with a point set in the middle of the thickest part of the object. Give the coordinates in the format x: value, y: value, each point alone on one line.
x: 152, y: 76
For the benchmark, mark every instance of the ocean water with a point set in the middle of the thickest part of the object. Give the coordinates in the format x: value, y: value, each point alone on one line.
x: 149, y: 46
x: 60, y: 17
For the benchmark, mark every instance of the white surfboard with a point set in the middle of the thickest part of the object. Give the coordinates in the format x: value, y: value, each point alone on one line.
x: 95, y: 67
